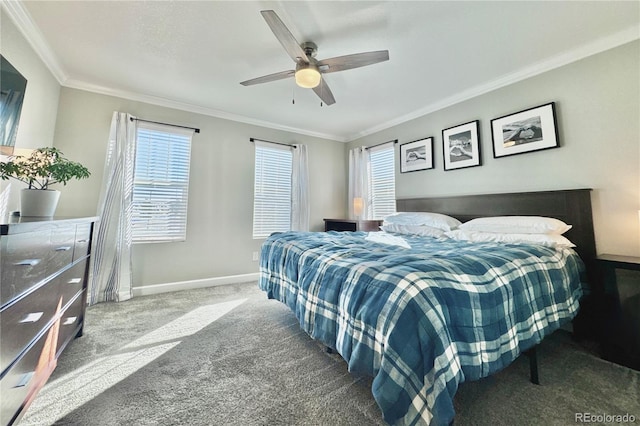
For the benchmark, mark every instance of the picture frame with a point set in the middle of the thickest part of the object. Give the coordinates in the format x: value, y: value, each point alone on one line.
x: 461, y: 146
x: 416, y: 155
x: 532, y: 129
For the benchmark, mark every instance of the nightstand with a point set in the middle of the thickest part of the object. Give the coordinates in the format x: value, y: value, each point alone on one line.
x: 351, y: 225
x: 620, y: 338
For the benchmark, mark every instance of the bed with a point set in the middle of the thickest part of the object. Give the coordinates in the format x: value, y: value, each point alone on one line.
x: 422, y: 320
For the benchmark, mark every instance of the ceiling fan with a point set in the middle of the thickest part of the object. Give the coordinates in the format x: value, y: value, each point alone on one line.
x: 308, y: 69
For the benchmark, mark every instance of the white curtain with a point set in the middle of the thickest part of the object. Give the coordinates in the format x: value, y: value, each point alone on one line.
x: 111, y: 251
x: 300, y: 189
x: 4, y: 200
x: 359, y: 165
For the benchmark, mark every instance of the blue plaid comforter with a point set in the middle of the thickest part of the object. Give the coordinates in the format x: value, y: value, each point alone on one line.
x: 421, y: 321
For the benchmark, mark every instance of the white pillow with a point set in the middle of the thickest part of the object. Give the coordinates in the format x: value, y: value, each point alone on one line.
x: 435, y: 220
x: 550, y: 240
x: 517, y: 225
x: 422, y: 230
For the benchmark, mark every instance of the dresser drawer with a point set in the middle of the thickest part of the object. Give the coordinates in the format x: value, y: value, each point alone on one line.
x: 23, y: 263
x: 60, y: 249
x: 71, y: 281
x: 29, y: 258
x: 69, y: 323
x: 21, y: 322
x: 82, y: 240
x: 21, y: 383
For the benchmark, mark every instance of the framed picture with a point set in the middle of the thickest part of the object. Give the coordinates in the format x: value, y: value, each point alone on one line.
x: 525, y: 131
x: 461, y: 146
x: 416, y: 155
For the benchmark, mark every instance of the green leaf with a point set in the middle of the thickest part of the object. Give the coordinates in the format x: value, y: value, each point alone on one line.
x: 44, y: 167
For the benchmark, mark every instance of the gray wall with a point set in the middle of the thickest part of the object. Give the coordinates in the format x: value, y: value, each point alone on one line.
x: 219, y: 224
x: 598, y: 110
x: 40, y: 105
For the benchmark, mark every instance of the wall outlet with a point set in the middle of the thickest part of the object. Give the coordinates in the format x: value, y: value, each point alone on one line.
x: 256, y: 255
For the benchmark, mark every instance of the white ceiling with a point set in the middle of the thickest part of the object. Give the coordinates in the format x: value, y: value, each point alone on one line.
x: 193, y: 55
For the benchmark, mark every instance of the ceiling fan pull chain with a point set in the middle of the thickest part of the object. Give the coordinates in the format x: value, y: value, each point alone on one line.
x: 293, y: 96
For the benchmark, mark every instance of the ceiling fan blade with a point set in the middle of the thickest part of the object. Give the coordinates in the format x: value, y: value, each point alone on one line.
x: 347, y: 62
x: 271, y: 77
x: 284, y: 36
x: 324, y: 93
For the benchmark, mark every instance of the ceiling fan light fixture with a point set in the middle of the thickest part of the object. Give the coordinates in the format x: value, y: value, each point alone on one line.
x: 308, y: 76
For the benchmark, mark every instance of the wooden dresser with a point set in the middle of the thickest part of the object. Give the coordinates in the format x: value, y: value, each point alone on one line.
x: 44, y: 265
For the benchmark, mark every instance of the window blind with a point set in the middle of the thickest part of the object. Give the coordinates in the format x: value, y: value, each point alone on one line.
x: 382, y: 193
x: 272, y: 189
x: 161, y: 183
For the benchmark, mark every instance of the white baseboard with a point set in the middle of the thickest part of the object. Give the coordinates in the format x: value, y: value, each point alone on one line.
x: 193, y: 284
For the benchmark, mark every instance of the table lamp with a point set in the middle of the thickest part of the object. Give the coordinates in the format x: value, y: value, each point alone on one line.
x: 358, y: 206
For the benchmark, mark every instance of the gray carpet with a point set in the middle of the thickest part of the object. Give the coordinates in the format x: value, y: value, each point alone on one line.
x: 228, y: 356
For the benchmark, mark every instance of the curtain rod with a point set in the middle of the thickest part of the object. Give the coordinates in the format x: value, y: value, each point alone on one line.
x: 395, y: 141
x: 166, y: 124
x: 276, y: 143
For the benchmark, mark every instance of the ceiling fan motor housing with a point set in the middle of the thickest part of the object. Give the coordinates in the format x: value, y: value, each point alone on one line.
x: 310, y: 49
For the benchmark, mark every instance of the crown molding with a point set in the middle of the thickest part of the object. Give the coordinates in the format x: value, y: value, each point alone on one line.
x: 182, y: 106
x: 16, y: 11
x: 606, y: 43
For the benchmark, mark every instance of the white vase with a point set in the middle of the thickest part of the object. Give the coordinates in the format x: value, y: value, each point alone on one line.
x: 38, y: 202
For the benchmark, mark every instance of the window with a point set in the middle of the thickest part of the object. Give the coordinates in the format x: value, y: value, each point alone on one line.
x: 160, y: 184
x: 382, y: 193
x: 272, y: 189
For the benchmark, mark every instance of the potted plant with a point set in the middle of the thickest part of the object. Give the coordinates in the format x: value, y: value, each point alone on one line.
x: 43, y: 168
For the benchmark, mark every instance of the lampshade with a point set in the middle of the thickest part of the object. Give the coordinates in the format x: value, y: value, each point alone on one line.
x: 308, y: 76
x: 358, y: 206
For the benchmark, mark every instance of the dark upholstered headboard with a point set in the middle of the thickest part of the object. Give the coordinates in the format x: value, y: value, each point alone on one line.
x: 571, y: 206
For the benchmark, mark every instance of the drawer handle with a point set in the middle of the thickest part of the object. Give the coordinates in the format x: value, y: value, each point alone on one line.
x: 28, y: 262
x: 63, y: 248
x: 32, y: 317
x: 74, y: 281
x: 26, y: 377
x: 69, y: 320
